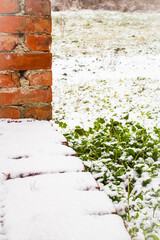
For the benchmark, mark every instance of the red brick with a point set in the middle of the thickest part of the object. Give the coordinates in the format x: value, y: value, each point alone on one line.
x: 40, y: 113
x: 38, y: 42
x: 9, y: 80
x: 22, y: 96
x: 8, y: 42
x: 25, y: 24
x: 9, y: 6
x: 40, y: 79
x: 10, y: 113
x: 38, y: 7
x: 26, y: 61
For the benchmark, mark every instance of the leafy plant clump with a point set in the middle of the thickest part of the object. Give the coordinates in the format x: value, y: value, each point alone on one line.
x: 125, y: 159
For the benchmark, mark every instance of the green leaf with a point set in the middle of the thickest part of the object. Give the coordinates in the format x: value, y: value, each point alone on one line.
x: 62, y: 124
x: 131, y: 152
x: 154, y: 236
x: 126, y: 117
x: 80, y: 131
x: 101, y: 120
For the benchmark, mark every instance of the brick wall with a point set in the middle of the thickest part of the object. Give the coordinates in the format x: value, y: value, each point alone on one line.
x: 25, y: 59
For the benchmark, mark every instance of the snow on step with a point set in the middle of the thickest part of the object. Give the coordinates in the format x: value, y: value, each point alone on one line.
x: 59, y: 190
x: 37, y: 165
x: 81, y: 181
x: 31, y: 137
x: 41, y: 208
x: 31, y: 147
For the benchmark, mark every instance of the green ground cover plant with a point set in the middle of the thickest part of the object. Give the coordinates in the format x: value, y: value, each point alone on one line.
x: 124, y: 158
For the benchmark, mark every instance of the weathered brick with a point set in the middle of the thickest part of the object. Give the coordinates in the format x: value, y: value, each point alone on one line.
x: 8, y: 42
x: 38, y: 42
x: 40, y: 79
x: 23, y: 95
x: 40, y: 113
x: 25, y: 24
x: 38, y: 7
x: 20, y: 96
x: 9, y: 6
x: 25, y: 61
x: 9, y: 80
x: 10, y: 113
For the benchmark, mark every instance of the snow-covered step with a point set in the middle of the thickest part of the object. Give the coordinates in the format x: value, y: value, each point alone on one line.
x: 34, y: 147
x: 80, y: 181
x: 41, y: 209
x: 30, y: 130
x: 31, y: 137
x: 36, y: 165
x: 61, y: 192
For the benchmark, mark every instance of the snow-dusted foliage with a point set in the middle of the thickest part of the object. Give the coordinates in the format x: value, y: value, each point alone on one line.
x: 106, y: 66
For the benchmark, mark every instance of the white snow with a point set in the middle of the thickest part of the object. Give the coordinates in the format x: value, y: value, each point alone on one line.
x: 62, y: 202
x: 34, y: 147
x: 107, y: 64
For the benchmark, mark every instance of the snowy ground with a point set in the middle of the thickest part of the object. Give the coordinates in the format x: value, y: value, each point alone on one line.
x: 106, y: 64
